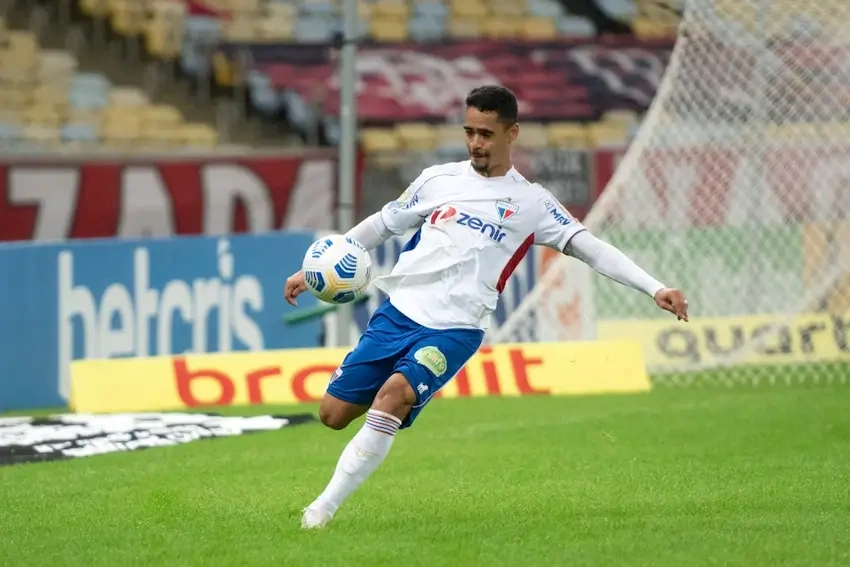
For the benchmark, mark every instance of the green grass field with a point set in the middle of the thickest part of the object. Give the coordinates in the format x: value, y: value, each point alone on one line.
x: 678, y: 477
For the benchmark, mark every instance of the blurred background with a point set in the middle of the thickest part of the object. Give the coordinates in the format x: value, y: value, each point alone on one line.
x: 227, y: 77
x: 165, y: 164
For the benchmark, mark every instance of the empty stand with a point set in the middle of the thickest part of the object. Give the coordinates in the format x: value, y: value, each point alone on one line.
x: 48, y: 104
x: 419, y: 58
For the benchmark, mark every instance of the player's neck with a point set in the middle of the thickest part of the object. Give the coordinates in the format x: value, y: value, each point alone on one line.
x: 498, y: 171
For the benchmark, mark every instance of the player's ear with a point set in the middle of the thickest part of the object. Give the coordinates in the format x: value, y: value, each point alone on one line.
x: 513, y: 133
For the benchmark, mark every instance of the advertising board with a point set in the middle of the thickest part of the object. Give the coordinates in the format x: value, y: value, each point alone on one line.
x: 136, y: 298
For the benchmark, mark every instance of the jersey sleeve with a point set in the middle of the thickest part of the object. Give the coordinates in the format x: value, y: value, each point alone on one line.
x: 413, y: 206
x: 556, y: 226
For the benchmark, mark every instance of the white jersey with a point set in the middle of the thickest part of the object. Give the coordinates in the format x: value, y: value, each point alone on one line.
x: 473, y: 232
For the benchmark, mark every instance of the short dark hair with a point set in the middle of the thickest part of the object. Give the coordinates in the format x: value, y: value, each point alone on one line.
x: 493, y: 98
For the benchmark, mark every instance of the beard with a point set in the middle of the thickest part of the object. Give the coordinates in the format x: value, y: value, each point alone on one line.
x: 480, y: 163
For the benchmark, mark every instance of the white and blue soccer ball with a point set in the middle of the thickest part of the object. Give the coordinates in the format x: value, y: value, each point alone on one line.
x: 337, y: 269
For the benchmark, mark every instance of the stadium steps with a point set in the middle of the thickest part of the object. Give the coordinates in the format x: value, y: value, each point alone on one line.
x: 111, y: 63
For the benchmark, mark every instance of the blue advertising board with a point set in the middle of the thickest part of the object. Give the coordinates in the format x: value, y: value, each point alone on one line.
x: 121, y: 298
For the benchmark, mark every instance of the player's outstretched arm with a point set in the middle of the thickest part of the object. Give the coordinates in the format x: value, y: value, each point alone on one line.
x: 613, y: 263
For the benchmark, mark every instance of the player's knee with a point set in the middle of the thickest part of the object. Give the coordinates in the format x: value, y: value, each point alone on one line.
x: 333, y: 419
x: 395, y: 395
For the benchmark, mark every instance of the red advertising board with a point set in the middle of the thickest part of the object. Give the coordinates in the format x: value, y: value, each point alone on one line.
x: 59, y: 198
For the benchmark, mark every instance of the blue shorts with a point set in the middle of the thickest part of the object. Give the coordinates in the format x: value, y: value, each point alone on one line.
x: 428, y: 358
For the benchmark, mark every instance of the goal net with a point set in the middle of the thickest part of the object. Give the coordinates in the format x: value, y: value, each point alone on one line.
x: 736, y: 190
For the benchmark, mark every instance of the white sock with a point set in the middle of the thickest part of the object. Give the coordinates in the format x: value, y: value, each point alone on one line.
x: 360, y: 458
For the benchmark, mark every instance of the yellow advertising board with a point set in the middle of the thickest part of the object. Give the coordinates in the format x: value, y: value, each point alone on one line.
x: 301, y: 375
x: 672, y: 345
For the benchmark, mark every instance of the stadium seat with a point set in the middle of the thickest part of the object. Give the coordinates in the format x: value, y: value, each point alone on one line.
x: 545, y: 9
x: 313, y: 29
x: 44, y: 115
x: 171, y: 10
x: 425, y: 28
x: 417, y: 136
x: 161, y: 116
x: 13, y: 98
x: 243, y: 29
x: 436, y: 10
x: 281, y: 10
x: 508, y: 8
x: 94, y: 8
x: 388, y: 29
x: 198, y: 136
x: 47, y: 94
x: 90, y: 81
x: 501, y: 28
x: 84, y: 98
x: 608, y: 135
x: 654, y: 21
x: 243, y: 8
x: 84, y: 117
x: 390, y: 9
x: 127, y: 96
x: 9, y: 132
x: 127, y: 17
x: 622, y: 10
x: 19, y: 61
x: 649, y: 29
x: 275, y: 29
x: 568, y: 135
x: 163, y: 38
x: 575, y: 26
x: 57, y: 65
x: 464, y: 28
x: 450, y: 138
x: 621, y: 116
x: 121, y: 128
x: 80, y: 133
x: 469, y: 9
x: 22, y: 42
x: 379, y: 140
x: 538, y: 29
x: 533, y: 136
x: 45, y: 135
x: 321, y: 8
x: 165, y: 138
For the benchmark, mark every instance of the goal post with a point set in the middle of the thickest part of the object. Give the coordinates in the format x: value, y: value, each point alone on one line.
x: 736, y: 189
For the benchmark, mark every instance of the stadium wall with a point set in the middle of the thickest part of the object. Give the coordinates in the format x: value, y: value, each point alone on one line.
x: 111, y: 258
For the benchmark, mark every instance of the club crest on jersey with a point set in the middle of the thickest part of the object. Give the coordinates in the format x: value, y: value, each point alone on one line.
x: 506, y: 210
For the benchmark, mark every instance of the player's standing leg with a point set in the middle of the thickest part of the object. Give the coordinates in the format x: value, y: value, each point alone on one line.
x: 431, y: 359
x: 365, y: 452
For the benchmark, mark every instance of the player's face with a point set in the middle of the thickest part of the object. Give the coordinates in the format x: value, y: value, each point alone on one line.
x: 488, y: 141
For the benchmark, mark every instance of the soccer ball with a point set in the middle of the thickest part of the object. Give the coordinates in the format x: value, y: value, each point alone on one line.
x: 337, y: 269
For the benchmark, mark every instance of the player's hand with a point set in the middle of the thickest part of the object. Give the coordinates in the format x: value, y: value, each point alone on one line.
x: 674, y: 301
x: 295, y: 286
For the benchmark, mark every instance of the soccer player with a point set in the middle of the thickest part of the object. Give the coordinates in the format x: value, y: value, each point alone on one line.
x: 476, y: 220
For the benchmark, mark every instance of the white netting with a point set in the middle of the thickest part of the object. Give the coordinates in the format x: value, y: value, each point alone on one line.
x: 736, y: 190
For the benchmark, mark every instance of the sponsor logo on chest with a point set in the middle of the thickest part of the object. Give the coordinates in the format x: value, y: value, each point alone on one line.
x: 445, y: 215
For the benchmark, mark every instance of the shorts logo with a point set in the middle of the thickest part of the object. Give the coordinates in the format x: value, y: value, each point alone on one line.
x: 431, y: 358
x: 337, y: 373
